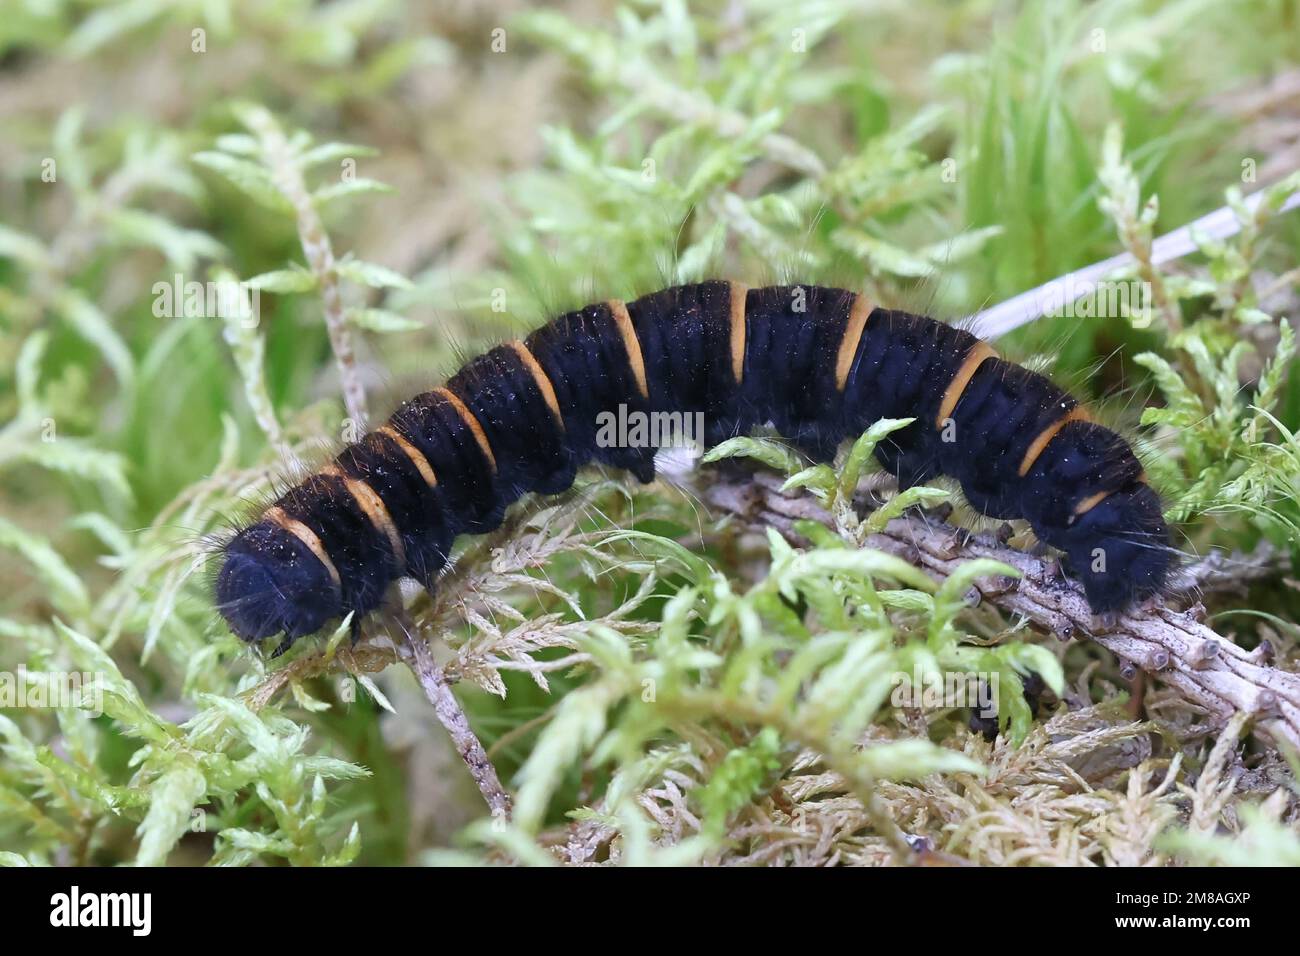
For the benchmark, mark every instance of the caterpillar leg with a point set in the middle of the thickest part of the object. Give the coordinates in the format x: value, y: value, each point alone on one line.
x: 908, y: 455
x: 987, y: 725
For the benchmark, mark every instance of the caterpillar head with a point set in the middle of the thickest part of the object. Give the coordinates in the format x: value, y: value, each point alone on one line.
x: 271, y: 582
x: 1120, y: 549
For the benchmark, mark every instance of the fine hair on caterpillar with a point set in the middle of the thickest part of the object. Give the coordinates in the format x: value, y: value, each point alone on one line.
x: 818, y: 364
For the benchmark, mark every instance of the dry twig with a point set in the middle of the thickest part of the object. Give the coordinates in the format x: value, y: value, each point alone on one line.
x: 1205, y: 667
x: 320, y: 257
x: 450, y: 714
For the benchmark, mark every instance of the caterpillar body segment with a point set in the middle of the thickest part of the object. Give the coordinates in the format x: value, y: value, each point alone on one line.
x: 791, y: 358
x: 688, y: 339
x: 398, y: 473
x: 435, y: 424
x: 903, y: 369
x: 584, y: 356
x: 819, y: 364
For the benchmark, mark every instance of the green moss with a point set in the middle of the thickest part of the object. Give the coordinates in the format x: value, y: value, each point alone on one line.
x: 648, y: 679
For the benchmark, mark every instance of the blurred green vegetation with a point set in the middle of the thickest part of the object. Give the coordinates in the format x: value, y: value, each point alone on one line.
x: 479, y: 166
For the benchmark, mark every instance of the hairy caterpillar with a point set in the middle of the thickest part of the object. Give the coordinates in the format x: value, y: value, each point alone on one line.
x: 819, y: 364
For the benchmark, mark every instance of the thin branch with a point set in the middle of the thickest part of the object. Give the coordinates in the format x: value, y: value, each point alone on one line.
x: 316, y: 247
x: 1028, y: 306
x: 452, y: 716
x: 1205, y: 667
x: 1218, y: 571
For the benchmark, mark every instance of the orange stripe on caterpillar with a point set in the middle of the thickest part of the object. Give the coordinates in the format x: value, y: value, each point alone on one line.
x: 631, y: 343
x: 375, y: 510
x: 1090, y: 502
x: 541, y: 378
x: 1076, y: 414
x: 952, y: 394
x: 417, y: 457
x: 739, y: 292
x: 277, y: 516
x: 470, y: 422
x: 858, y: 315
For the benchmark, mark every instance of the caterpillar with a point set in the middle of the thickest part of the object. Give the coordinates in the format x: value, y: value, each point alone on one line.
x: 819, y: 364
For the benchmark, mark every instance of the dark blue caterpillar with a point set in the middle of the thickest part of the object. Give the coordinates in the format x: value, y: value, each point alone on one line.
x: 819, y: 364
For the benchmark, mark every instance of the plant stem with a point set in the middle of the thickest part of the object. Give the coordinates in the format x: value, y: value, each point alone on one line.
x: 452, y: 716
x: 1180, y: 651
x: 320, y: 257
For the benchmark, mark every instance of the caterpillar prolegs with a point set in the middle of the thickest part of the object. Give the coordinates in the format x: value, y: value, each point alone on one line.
x: 819, y: 364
